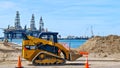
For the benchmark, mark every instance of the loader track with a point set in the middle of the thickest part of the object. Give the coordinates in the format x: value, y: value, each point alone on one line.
x: 47, y: 58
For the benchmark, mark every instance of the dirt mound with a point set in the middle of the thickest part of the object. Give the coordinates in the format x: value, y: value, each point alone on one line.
x: 107, y: 44
x: 8, y: 53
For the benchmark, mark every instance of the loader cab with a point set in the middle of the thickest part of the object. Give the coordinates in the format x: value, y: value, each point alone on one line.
x: 29, y: 48
x: 51, y: 36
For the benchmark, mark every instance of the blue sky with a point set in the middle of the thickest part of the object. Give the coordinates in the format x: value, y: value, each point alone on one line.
x: 68, y: 17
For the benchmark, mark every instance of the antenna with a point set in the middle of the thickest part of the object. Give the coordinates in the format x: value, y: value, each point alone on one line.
x: 85, y: 35
x: 92, y: 31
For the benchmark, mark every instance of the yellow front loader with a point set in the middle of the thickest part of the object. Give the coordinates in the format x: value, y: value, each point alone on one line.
x: 44, y: 50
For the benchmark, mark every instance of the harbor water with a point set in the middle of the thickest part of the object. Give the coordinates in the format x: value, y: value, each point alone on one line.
x: 73, y: 43
x: 70, y: 43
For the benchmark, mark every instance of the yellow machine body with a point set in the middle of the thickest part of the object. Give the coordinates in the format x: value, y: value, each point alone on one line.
x: 29, y: 50
x: 45, y: 49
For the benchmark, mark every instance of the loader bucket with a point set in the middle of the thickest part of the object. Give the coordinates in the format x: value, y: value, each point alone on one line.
x: 74, y: 55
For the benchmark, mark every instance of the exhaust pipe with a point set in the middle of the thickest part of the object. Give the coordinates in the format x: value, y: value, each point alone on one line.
x: 24, y: 36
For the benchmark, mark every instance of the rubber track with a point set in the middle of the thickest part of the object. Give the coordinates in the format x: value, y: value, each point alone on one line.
x: 51, y: 56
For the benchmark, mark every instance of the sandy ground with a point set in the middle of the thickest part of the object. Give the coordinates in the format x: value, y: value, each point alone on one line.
x: 79, y: 63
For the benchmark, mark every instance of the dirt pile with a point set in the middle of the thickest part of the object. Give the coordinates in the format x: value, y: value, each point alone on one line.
x: 108, y: 44
x: 8, y: 53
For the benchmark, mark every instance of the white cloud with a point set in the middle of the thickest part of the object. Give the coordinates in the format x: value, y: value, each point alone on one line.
x: 7, y: 4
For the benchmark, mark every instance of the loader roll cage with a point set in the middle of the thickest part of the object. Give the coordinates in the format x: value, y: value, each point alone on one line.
x: 49, y: 36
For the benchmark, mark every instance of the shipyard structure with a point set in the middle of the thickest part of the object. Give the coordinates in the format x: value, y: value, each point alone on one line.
x: 17, y: 30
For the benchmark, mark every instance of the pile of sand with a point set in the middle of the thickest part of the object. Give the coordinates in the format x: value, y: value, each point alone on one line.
x: 108, y: 44
x: 8, y: 53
